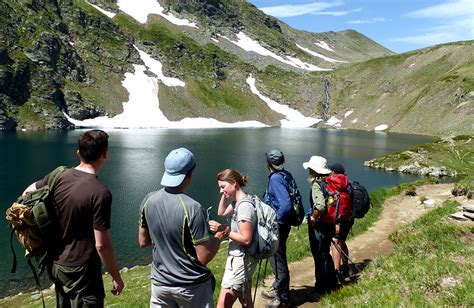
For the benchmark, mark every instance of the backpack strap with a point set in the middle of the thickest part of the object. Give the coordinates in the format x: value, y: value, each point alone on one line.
x: 54, y: 176
x: 324, y: 188
x: 13, y: 251
x: 326, y: 194
x: 43, y: 211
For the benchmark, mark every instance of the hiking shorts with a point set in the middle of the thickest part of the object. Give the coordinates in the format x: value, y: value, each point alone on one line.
x: 78, y: 286
x: 344, y: 228
x: 200, y: 295
x: 236, y: 275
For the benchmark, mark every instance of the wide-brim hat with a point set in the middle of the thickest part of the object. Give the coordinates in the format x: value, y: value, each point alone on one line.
x: 317, y: 164
x: 177, y: 164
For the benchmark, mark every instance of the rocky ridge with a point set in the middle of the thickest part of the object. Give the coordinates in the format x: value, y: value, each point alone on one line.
x: 66, y: 56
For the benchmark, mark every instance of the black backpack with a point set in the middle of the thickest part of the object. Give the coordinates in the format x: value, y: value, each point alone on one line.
x: 297, y: 213
x: 360, y: 199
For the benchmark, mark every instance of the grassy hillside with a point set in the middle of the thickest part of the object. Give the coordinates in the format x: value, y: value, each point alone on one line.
x: 68, y: 56
x: 453, y: 155
x: 428, y: 91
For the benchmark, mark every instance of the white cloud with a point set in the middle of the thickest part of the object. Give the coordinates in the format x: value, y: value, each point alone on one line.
x: 454, y: 22
x: 366, y: 21
x: 448, y: 9
x: 314, y: 8
x: 336, y: 13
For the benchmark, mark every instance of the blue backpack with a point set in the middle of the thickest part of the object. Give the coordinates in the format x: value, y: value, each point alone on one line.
x: 297, y: 213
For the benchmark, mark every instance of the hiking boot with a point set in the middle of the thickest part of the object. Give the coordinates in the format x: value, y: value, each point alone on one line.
x: 276, y: 302
x: 347, y: 270
x: 270, y: 294
x: 340, y: 277
x: 314, y: 296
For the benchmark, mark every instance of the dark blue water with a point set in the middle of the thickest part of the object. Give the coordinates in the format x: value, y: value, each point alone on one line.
x: 135, y: 167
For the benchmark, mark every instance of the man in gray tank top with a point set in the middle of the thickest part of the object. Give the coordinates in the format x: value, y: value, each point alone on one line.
x: 177, y: 227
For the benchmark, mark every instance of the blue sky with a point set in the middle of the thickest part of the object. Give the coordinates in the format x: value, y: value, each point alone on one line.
x: 399, y: 25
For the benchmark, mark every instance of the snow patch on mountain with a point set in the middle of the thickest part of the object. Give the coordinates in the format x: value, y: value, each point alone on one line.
x: 333, y: 121
x: 314, y: 53
x: 142, y: 110
x: 140, y: 10
x: 294, y: 118
x: 381, y: 127
x: 156, y: 67
x: 248, y: 44
x: 106, y: 13
x: 323, y: 45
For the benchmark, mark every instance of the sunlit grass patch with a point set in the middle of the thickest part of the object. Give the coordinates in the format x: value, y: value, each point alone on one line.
x: 431, y: 265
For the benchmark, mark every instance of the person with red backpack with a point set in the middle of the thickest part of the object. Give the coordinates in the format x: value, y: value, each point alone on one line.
x: 321, y: 226
x: 344, y: 221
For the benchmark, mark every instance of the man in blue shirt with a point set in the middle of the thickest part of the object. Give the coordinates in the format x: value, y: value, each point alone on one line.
x: 278, y: 197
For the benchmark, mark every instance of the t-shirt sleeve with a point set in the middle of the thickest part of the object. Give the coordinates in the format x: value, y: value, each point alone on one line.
x: 199, y: 227
x: 246, y: 211
x: 318, y: 198
x: 142, y: 218
x: 102, y: 212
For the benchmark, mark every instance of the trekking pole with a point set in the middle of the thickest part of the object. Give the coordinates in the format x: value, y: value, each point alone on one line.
x: 264, y: 272
x: 339, y: 249
x: 256, y: 282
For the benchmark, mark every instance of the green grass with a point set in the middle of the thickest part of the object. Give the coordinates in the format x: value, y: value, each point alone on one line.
x: 432, y: 265
x: 137, y: 291
x: 456, y: 153
x: 30, y: 115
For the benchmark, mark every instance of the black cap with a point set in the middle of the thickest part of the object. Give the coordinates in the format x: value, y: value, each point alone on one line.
x: 276, y: 158
x: 337, y: 168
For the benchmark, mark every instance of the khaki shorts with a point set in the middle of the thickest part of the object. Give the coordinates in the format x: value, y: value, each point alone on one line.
x: 200, y: 295
x: 235, y: 275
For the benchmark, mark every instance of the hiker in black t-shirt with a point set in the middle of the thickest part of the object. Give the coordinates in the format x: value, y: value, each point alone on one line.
x: 83, y: 207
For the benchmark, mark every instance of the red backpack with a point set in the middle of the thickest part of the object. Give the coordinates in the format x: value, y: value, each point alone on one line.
x: 338, y: 199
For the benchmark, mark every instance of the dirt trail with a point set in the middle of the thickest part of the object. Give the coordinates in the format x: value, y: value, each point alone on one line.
x: 398, y: 210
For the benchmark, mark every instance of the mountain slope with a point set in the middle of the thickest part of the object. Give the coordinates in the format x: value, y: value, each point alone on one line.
x: 232, y: 63
x: 428, y: 91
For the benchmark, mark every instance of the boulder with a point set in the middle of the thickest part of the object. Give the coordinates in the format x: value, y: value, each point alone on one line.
x: 429, y: 203
x: 468, y: 208
x: 459, y: 216
x: 469, y: 215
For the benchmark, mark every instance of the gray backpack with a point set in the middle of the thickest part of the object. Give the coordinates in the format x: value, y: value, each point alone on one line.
x: 265, y: 236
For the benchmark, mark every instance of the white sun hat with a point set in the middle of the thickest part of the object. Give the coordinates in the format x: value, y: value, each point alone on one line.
x: 317, y: 164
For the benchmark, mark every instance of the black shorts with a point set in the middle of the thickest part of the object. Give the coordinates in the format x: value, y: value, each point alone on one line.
x: 344, y: 228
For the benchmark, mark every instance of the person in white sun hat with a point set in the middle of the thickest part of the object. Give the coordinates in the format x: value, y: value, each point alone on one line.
x: 320, y: 228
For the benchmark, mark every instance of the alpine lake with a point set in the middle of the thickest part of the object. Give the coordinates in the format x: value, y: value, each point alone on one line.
x: 135, y: 167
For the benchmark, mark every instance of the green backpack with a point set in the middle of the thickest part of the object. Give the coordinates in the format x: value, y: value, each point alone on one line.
x: 33, y: 221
